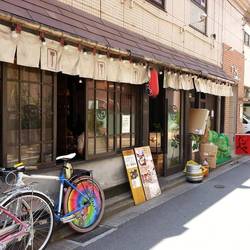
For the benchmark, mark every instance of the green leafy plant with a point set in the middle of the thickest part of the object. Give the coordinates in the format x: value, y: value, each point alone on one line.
x: 195, y: 141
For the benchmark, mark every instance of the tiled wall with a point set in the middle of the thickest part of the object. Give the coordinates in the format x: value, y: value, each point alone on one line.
x: 165, y: 25
x: 232, y: 106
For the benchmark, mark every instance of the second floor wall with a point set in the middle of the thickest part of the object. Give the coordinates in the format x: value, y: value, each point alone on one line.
x: 176, y: 22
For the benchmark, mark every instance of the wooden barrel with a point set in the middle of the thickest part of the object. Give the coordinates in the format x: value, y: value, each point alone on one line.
x: 194, y: 173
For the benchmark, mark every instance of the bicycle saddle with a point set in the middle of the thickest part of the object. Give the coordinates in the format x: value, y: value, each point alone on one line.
x: 66, y: 157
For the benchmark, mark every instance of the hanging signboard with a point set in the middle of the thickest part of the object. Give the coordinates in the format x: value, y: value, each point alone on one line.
x: 147, y: 171
x: 242, y: 144
x: 133, y: 176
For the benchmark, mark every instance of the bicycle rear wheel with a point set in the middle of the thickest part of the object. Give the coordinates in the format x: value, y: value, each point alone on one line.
x: 36, y: 209
x: 91, y: 197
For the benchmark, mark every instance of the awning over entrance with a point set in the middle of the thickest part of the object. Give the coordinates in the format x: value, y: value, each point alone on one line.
x: 62, y: 17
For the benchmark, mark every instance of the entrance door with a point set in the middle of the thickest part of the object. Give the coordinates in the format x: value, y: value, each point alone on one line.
x: 174, y: 132
x: 70, y: 115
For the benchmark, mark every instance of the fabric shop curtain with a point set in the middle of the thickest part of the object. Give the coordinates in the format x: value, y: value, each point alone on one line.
x: 179, y: 81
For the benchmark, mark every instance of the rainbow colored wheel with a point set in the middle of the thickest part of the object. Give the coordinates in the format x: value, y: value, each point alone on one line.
x: 91, y: 199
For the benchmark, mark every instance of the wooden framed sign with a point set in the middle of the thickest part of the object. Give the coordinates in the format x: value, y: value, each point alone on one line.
x: 147, y: 171
x: 133, y: 176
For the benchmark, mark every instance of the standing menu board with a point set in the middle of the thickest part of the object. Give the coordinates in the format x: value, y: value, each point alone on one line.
x: 147, y: 171
x: 133, y: 176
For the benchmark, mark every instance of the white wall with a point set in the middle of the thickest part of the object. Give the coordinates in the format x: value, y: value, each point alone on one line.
x: 164, y: 26
x: 247, y: 60
x: 232, y: 26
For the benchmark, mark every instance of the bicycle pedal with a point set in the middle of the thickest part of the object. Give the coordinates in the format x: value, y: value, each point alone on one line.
x: 68, y: 218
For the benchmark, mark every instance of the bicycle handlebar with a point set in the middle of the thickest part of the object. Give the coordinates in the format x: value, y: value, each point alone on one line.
x: 18, y: 169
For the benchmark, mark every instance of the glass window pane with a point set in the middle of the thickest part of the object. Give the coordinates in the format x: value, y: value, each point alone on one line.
x: 47, y: 98
x: 30, y: 154
x: 30, y: 106
x: 118, y: 142
x: 30, y: 74
x: 117, y: 111
x: 133, y: 114
x: 126, y: 99
x: 174, y: 116
x: 91, y: 110
x: 111, y: 143
x: 91, y: 144
x: 47, y: 126
x: 101, y: 113
x: 48, y: 77
x: 101, y: 85
x: 13, y: 129
x: 125, y: 140
x: 118, y: 123
x: 111, y: 113
x: 195, y: 20
x: 30, y: 136
x: 160, y: 2
x: 101, y: 145
x: 12, y: 96
x: 12, y: 155
x: 133, y: 140
x: 48, y: 152
x: 12, y: 72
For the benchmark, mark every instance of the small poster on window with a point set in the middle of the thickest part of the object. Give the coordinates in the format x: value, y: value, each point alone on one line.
x: 125, y: 124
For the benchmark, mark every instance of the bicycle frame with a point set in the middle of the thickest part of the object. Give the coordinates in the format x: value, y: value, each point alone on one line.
x: 9, y: 234
x: 63, y: 181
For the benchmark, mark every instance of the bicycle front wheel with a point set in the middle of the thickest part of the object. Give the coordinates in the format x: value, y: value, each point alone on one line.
x: 91, y: 199
x: 35, y: 209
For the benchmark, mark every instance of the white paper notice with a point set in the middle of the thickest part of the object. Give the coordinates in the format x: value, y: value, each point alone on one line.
x: 125, y: 124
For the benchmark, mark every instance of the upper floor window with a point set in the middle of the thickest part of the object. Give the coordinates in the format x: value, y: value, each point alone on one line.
x: 159, y: 3
x: 198, y: 18
x: 246, y: 39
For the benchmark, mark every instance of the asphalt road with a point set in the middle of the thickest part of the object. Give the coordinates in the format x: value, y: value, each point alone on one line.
x: 212, y: 215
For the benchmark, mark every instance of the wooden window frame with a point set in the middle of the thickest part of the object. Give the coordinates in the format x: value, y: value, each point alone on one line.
x: 117, y: 136
x: 4, y: 112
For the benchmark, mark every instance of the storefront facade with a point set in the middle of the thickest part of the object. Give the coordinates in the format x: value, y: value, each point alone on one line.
x: 74, y: 93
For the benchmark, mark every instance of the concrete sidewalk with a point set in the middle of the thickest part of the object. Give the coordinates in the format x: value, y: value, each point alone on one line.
x: 116, y: 207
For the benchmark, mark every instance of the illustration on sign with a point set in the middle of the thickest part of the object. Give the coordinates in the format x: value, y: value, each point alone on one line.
x: 147, y: 172
x: 133, y: 176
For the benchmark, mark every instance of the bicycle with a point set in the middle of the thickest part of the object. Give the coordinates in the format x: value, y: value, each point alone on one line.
x: 80, y: 201
x: 14, y: 232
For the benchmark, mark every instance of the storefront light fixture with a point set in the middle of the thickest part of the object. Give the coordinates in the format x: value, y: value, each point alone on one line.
x: 160, y: 72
